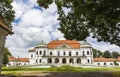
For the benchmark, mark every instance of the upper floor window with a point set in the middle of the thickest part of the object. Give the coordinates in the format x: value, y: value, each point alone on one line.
x: 87, y: 52
x: 31, y: 55
x: 64, y: 53
x: 40, y: 52
x: 58, y: 53
x: 91, y: 52
x: 76, y: 53
x: 44, y: 53
x: 37, y: 53
x: 69, y: 53
x: 50, y: 53
x: 83, y: 53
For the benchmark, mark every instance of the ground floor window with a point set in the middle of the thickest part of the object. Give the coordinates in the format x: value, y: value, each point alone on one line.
x: 78, y: 60
x: 88, y: 61
x: 98, y: 64
x: 104, y: 63
x: 71, y: 60
x: 49, y: 60
x: 40, y: 61
x: 56, y: 60
x: 64, y: 60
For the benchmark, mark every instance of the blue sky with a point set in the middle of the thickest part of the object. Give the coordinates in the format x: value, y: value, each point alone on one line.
x: 33, y: 24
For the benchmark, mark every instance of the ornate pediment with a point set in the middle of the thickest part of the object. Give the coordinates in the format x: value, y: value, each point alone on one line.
x: 63, y: 46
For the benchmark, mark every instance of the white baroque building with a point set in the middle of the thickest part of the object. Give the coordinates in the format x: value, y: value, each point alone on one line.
x: 61, y: 52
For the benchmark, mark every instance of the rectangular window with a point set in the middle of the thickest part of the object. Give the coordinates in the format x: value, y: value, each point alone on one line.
x: 50, y: 53
x: 69, y: 53
x: 31, y: 55
x: 64, y: 53
x: 40, y: 52
x: 40, y: 60
x: 44, y: 53
x: 91, y: 52
x: 88, y: 61
x: 83, y: 53
x: 58, y: 53
x: 76, y: 53
x: 87, y: 52
x: 37, y: 53
x: 36, y: 61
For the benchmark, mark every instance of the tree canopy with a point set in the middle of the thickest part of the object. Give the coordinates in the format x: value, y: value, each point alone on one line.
x: 6, y: 11
x: 99, y: 19
x: 5, y: 56
x: 97, y: 53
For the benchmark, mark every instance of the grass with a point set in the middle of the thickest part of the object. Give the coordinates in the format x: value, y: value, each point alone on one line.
x: 20, y: 70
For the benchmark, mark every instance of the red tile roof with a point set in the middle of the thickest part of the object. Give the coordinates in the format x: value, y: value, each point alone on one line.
x: 56, y: 43
x: 102, y: 59
x: 23, y: 59
x: 11, y: 58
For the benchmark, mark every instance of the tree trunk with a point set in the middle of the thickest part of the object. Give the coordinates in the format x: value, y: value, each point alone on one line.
x: 2, y: 44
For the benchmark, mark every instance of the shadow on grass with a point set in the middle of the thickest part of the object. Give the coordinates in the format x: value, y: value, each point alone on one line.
x: 68, y: 74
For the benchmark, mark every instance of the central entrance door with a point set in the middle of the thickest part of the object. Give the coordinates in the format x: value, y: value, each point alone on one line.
x: 64, y: 60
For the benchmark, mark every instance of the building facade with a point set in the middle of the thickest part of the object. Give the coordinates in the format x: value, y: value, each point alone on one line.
x: 17, y: 61
x: 61, y: 52
x: 107, y: 62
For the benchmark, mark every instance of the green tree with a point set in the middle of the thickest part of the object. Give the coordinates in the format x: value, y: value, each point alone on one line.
x: 107, y: 54
x: 97, y: 18
x: 97, y: 53
x: 6, y: 11
x: 5, y: 56
x: 115, y: 54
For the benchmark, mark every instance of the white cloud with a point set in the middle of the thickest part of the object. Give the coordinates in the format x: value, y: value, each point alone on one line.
x: 34, y: 25
x: 102, y: 45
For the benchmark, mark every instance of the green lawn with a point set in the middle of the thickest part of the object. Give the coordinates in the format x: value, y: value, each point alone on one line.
x: 20, y: 70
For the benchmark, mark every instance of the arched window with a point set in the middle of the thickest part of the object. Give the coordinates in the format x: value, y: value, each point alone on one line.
x: 87, y: 52
x: 71, y: 60
x: 56, y: 60
x: 78, y: 60
x: 40, y: 52
x: 49, y: 60
x: 64, y: 60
